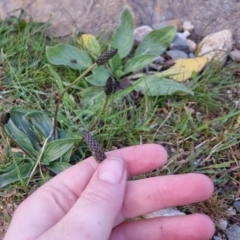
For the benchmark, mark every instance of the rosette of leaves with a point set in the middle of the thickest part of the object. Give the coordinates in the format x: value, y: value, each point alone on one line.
x: 30, y: 133
x: 126, y: 61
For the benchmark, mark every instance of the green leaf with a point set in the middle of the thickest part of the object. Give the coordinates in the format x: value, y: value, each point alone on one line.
x: 157, y: 41
x: 67, y: 55
x: 18, y: 117
x: 115, y: 62
x: 91, y: 96
x: 138, y: 62
x: 58, y: 167
x: 56, y: 149
x: 12, y: 176
x: 122, y: 39
x: 155, y: 86
x: 99, y: 76
x: 20, y: 138
x: 90, y: 43
x: 66, y: 98
x: 42, y: 122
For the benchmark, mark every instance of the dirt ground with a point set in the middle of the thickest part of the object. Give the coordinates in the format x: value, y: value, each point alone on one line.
x: 68, y: 16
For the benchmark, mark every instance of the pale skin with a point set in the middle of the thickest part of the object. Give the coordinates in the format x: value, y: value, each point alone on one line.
x: 92, y: 201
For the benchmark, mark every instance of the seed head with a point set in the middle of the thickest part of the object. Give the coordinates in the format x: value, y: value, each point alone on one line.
x: 94, y: 146
x: 110, y: 86
x: 102, y: 59
x: 5, y: 118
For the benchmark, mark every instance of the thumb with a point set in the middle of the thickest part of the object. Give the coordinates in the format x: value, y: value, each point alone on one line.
x: 94, y: 214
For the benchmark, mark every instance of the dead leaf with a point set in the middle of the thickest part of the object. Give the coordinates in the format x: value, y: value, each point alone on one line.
x: 183, y: 69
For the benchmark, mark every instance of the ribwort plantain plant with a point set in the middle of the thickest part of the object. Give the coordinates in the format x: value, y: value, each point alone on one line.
x: 102, y: 59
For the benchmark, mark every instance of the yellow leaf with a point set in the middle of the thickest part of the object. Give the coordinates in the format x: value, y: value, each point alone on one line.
x: 183, y: 68
x: 90, y: 43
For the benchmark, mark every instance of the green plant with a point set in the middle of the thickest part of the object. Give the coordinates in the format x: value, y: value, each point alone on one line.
x: 46, y: 145
x: 126, y: 62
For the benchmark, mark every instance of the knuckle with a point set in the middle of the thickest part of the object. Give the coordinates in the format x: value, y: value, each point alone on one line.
x: 97, y: 197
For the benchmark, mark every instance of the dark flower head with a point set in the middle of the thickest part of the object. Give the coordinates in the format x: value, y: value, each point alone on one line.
x: 94, y: 146
x: 5, y: 118
x: 110, y: 86
x: 102, y: 59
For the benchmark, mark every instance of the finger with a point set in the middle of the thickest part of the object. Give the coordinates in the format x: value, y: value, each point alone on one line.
x: 148, y: 195
x: 59, y: 194
x: 94, y: 214
x: 139, y: 159
x: 191, y: 227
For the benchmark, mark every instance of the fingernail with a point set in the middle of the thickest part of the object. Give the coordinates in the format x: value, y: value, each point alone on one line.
x: 111, y: 170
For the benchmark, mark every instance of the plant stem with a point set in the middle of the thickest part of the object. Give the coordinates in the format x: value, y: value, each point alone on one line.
x: 62, y: 94
x: 99, y: 115
x: 92, y: 124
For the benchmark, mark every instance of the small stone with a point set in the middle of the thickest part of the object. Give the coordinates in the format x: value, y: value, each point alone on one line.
x: 141, y: 32
x: 223, y: 223
x: 191, y: 55
x: 167, y: 212
x: 216, y: 46
x: 177, y: 54
x: 184, y: 34
x: 191, y: 44
x: 231, y: 211
x: 233, y: 232
x: 236, y: 204
x: 180, y: 44
x: 235, y: 55
x: 217, y: 238
x: 236, y: 103
x: 187, y: 25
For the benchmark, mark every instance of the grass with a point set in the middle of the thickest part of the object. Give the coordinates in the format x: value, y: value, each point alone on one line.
x: 200, y: 133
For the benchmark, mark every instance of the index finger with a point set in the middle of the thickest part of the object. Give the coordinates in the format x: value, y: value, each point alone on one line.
x: 139, y: 159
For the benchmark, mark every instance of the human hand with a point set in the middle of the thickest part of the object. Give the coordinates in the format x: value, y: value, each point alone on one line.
x: 91, y: 201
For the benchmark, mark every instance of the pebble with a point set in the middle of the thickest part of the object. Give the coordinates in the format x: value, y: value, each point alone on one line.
x: 223, y: 223
x: 166, y: 212
x: 191, y: 55
x: 233, y: 232
x: 191, y: 44
x: 187, y: 25
x: 176, y: 54
x: 183, y: 35
x: 236, y: 204
x: 179, y: 43
x: 217, y: 238
x: 216, y: 46
x: 235, y: 55
x: 141, y: 32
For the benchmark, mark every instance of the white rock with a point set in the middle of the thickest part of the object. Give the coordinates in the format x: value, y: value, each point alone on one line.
x: 141, y: 32
x: 167, y: 212
x: 235, y: 55
x: 223, y: 223
x: 216, y: 46
x: 191, y: 44
x: 187, y: 25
